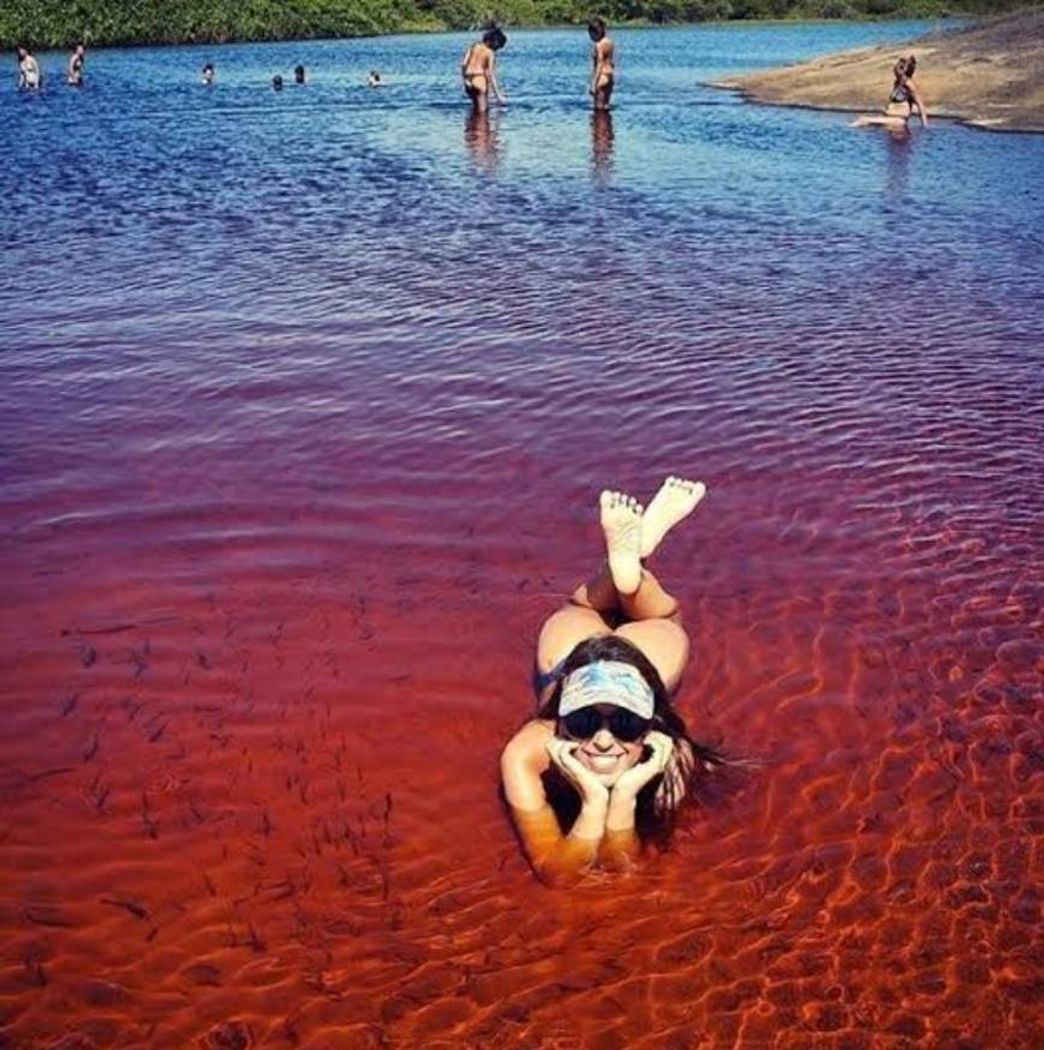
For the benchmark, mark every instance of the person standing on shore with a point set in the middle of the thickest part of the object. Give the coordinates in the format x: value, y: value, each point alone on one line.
x: 74, y: 76
x: 28, y: 70
x: 603, y: 63
x: 479, y: 69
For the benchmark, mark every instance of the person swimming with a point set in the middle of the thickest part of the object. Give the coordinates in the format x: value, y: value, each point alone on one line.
x: 607, y: 758
x: 903, y: 101
x: 277, y: 83
x: 374, y: 79
x: 77, y: 60
x: 299, y: 74
x: 603, y: 63
x: 29, y: 78
x: 479, y: 69
x: 209, y: 74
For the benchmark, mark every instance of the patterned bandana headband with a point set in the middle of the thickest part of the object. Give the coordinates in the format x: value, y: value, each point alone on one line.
x: 607, y: 682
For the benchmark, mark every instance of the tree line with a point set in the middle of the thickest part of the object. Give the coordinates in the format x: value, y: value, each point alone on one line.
x: 60, y: 23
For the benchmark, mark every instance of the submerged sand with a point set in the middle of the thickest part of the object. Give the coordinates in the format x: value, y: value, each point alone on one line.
x: 990, y: 75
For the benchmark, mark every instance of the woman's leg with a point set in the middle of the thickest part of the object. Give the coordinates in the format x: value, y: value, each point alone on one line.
x: 623, y: 586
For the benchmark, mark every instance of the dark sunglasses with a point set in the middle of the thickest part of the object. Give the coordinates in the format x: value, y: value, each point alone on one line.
x: 625, y: 725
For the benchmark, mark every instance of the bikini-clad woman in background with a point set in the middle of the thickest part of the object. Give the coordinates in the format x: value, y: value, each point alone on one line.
x: 903, y: 100
x: 77, y: 60
x: 479, y: 69
x: 607, y: 762
x: 603, y: 64
x: 28, y: 70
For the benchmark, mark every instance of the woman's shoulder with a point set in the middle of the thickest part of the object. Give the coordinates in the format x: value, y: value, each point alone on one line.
x: 533, y: 735
x: 522, y: 762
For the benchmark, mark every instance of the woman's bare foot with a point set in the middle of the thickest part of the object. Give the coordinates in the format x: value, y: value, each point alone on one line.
x: 622, y: 524
x: 676, y: 500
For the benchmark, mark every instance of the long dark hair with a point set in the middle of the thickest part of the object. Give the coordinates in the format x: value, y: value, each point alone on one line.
x: 658, y: 803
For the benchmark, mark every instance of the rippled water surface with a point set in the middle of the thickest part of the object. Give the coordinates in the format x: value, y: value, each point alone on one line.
x: 306, y: 400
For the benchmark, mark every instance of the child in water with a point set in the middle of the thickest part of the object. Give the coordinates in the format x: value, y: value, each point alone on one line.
x: 479, y: 69
x: 607, y: 762
x: 208, y: 74
x: 603, y: 56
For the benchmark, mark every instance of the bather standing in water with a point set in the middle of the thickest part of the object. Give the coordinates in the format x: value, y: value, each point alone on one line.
x: 299, y: 74
x: 28, y: 70
x: 209, y: 75
x: 603, y: 64
x: 77, y: 59
x: 607, y: 762
x: 479, y: 69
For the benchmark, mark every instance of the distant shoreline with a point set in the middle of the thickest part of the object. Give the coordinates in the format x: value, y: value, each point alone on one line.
x: 989, y: 76
x: 58, y: 38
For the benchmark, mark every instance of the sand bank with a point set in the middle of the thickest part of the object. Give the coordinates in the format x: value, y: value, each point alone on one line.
x: 990, y: 75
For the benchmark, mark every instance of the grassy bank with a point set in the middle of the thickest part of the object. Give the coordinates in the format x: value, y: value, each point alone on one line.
x: 59, y: 23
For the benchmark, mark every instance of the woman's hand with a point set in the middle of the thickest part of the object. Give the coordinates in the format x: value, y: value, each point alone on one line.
x: 563, y: 754
x: 631, y: 782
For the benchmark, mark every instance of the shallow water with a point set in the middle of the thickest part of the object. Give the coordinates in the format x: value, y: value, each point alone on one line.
x: 306, y: 402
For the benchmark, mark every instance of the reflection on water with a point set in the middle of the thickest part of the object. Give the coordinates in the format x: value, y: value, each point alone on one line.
x: 602, y: 144
x: 301, y: 436
x: 900, y: 145
x: 481, y: 138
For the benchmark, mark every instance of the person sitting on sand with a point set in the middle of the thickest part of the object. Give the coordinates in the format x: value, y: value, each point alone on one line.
x: 479, y: 69
x: 603, y: 72
x: 903, y: 100
x: 209, y: 74
x: 607, y: 757
x: 299, y: 74
x: 77, y: 59
x: 28, y: 70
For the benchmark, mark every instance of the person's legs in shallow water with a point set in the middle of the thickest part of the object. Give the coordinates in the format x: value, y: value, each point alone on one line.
x: 623, y: 588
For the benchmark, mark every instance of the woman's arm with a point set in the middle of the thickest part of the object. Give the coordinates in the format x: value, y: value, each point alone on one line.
x: 557, y: 859
x: 494, y: 86
x: 916, y: 100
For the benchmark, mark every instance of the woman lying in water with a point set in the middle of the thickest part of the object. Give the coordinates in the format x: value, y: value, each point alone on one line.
x: 607, y: 758
x: 903, y: 100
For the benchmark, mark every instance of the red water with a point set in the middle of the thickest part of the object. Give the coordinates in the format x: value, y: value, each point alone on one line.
x: 252, y: 722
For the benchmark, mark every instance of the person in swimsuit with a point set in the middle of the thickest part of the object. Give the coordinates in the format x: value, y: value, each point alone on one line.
x: 28, y: 70
x: 299, y: 74
x: 903, y: 100
x: 603, y: 63
x: 479, y: 69
x: 374, y: 79
x: 606, y: 763
x: 209, y: 74
x: 77, y: 59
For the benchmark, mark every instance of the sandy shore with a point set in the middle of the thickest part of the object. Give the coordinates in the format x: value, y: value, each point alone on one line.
x: 990, y: 75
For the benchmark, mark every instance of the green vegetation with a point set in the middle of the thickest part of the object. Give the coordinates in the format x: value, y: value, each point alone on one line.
x: 59, y: 23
